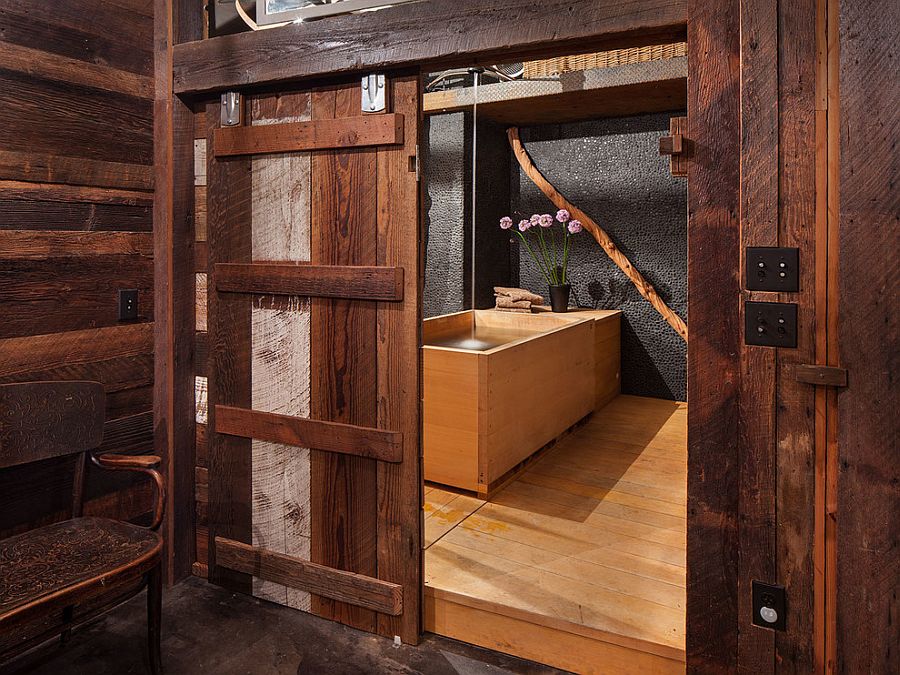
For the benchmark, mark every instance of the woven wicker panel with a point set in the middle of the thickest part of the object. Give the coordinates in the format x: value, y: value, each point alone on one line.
x: 615, y: 57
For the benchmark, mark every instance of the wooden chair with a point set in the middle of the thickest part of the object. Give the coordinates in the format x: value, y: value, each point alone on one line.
x: 69, y: 567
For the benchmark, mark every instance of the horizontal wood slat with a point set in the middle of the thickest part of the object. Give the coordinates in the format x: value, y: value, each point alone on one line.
x: 321, y: 281
x: 355, y: 589
x: 347, y: 132
x: 346, y: 439
x: 47, y: 168
x: 827, y: 376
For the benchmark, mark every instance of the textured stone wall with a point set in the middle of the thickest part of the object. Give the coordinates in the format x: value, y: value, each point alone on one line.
x: 612, y: 170
x: 609, y: 168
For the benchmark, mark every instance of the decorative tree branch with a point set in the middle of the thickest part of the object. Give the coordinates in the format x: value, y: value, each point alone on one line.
x: 645, y: 288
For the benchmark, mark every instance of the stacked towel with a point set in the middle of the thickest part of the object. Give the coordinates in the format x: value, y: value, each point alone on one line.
x: 516, y: 299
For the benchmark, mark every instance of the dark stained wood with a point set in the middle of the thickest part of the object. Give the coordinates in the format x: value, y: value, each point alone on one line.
x: 439, y: 32
x: 36, y: 214
x: 867, y: 495
x: 346, y: 587
x: 47, y: 168
x: 795, y: 487
x: 229, y: 459
x: 827, y: 376
x: 49, y: 419
x: 40, y: 245
x: 12, y: 190
x: 343, y: 344
x: 713, y: 363
x: 678, y: 164
x: 320, y: 281
x: 345, y: 439
x: 759, y: 106
x: 70, y: 292
x: 201, y: 257
x: 40, y: 64
x: 349, y: 132
x: 63, y: 556
x: 399, y: 369
x: 670, y: 145
x: 74, y: 120
x: 174, y: 236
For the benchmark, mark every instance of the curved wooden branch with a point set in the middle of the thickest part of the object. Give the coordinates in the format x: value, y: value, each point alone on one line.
x: 645, y: 288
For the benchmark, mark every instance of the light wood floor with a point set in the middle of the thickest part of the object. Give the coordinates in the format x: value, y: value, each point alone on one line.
x: 579, y: 562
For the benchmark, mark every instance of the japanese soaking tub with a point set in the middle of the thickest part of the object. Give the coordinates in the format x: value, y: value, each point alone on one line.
x: 497, y: 387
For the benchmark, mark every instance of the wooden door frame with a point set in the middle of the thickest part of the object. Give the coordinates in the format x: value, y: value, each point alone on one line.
x: 292, y: 54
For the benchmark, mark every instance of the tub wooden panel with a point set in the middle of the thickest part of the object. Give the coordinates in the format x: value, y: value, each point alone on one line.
x: 485, y: 412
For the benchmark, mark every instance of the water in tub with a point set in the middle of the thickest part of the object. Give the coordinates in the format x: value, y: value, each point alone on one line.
x: 481, y: 338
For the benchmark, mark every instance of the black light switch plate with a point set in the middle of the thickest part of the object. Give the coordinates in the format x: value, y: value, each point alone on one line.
x: 769, y: 605
x: 772, y: 269
x: 770, y: 324
x: 128, y: 304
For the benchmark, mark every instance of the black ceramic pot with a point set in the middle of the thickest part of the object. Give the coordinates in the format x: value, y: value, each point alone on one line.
x: 559, y: 297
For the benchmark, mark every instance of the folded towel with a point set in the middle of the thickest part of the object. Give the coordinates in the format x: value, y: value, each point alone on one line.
x: 514, y: 310
x: 518, y: 294
x: 507, y: 303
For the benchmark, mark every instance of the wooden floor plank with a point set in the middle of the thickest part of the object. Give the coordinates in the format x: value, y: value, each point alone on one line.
x: 590, y: 540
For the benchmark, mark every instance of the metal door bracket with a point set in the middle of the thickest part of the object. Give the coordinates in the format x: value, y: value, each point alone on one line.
x: 373, y: 93
x: 231, y: 109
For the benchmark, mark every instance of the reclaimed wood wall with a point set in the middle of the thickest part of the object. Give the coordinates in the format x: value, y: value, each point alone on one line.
x: 76, y: 196
x: 867, y: 490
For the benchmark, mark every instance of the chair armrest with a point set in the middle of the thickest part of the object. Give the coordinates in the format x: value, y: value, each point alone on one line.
x: 112, y: 460
x: 145, y: 464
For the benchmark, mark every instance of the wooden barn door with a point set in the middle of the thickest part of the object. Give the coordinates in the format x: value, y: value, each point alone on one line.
x: 314, y: 384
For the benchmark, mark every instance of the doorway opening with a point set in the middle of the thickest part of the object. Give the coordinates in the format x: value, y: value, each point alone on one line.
x: 555, y: 442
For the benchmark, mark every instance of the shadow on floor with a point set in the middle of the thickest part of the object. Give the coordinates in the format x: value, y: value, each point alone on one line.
x: 209, y: 630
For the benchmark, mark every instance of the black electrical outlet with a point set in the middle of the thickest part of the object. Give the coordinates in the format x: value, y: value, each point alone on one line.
x: 128, y: 304
x: 770, y: 324
x: 769, y: 605
x: 773, y: 269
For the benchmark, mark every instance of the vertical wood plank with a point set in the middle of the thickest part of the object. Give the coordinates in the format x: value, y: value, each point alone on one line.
x: 759, y: 227
x: 868, y: 474
x: 280, y: 353
x: 399, y: 369
x: 795, y: 432
x: 173, y: 231
x: 230, y: 467
x: 342, y: 359
x: 713, y: 354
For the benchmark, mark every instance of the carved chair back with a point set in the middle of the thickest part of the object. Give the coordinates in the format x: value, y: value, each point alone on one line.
x: 43, y: 420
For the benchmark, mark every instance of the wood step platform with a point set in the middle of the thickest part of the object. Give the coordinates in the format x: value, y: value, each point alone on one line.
x: 580, y: 562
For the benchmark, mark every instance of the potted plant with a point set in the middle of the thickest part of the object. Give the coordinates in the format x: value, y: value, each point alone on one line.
x: 554, y: 249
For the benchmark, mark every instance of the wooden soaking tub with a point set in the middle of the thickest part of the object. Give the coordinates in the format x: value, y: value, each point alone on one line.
x: 499, y: 386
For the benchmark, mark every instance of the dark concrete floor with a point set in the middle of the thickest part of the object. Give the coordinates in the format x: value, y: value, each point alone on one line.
x: 209, y: 630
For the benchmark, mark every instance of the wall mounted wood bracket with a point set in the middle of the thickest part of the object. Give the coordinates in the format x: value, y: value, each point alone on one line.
x: 826, y: 376
x: 676, y: 146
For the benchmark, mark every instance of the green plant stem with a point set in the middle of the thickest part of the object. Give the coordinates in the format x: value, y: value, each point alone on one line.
x: 555, y: 253
x: 552, y: 276
x: 566, y: 260
x: 533, y: 256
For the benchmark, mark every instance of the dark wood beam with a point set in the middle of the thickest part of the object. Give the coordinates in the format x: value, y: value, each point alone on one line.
x: 318, y: 281
x: 436, y: 33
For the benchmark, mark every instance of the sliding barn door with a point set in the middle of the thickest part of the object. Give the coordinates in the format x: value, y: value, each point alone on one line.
x: 314, y: 387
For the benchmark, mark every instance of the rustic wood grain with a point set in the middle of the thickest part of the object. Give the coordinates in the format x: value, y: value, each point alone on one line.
x: 175, y: 293
x: 759, y: 227
x: 48, y: 168
x: 299, y: 432
x: 867, y: 496
x: 354, y: 282
x: 421, y: 35
x: 400, y: 367
x: 343, y: 359
x: 230, y: 465
x: 280, y: 349
x: 795, y: 401
x: 713, y: 363
x: 349, y: 132
x: 346, y: 587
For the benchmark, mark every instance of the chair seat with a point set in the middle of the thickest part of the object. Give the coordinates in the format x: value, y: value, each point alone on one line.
x: 51, y: 559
